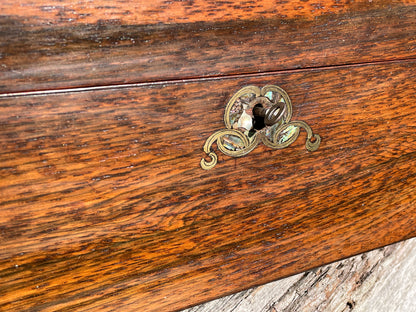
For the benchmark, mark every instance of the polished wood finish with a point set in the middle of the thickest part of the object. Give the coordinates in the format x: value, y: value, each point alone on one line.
x: 64, y: 12
x: 103, y: 202
x: 52, y: 44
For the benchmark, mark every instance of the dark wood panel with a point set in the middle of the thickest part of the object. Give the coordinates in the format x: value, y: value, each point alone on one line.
x: 61, y: 44
x: 103, y: 202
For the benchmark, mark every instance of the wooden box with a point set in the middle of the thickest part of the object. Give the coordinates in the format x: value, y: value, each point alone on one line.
x: 105, y: 107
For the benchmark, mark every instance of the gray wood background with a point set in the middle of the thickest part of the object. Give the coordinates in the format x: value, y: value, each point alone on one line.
x: 382, y: 280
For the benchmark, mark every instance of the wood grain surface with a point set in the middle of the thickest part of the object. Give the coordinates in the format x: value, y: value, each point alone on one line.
x: 52, y: 44
x: 64, y: 12
x: 104, y: 205
x: 382, y: 280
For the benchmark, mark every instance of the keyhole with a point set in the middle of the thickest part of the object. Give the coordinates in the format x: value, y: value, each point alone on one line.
x: 258, y: 111
x: 267, y: 116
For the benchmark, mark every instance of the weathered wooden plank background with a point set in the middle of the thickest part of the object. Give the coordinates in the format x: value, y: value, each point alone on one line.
x: 382, y: 280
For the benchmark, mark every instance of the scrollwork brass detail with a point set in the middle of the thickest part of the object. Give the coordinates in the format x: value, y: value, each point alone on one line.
x: 255, y: 115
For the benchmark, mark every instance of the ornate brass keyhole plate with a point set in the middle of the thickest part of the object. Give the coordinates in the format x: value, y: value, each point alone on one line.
x: 255, y: 115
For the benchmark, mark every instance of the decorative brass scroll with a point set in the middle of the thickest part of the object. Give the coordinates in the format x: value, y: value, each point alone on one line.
x: 255, y: 115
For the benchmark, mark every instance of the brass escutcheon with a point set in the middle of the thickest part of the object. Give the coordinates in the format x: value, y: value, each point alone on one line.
x: 255, y: 115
